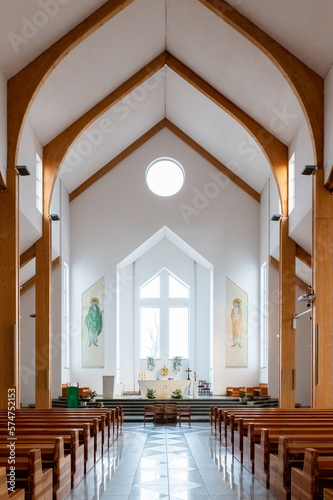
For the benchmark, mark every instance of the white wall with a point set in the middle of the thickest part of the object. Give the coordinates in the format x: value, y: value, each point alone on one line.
x: 328, y: 138
x: 65, y: 256
x: 118, y: 213
x: 164, y: 254
x: 3, y: 125
x: 264, y: 253
x: 27, y: 347
x: 300, y: 219
x: 273, y: 329
x: 303, y: 351
x: 30, y: 217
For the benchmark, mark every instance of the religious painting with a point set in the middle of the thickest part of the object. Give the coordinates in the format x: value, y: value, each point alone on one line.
x: 236, y: 326
x: 93, y: 339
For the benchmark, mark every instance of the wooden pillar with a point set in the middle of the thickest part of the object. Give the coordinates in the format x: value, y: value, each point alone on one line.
x: 286, y: 313
x: 322, y: 276
x: 43, y: 316
x: 9, y: 291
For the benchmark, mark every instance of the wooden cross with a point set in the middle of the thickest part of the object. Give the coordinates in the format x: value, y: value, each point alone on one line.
x: 188, y: 373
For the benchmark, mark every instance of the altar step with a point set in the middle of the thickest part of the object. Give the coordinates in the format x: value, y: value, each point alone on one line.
x: 133, y: 407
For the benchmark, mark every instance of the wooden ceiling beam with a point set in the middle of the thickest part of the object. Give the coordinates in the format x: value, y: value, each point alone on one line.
x: 118, y: 159
x: 55, y: 151
x: 28, y: 255
x: 274, y: 150
x: 329, y: 182
x: 24, y: 86
x: 307, y: 85
x: 212, y: 160
x: 303, y: 256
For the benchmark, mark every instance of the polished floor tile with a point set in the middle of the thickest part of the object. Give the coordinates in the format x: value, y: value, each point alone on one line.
x: 168, y: 463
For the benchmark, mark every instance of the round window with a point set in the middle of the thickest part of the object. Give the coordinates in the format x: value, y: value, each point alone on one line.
x: 165, y: 176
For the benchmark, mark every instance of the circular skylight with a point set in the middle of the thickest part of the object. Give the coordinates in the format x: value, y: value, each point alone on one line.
x: 165, y: 176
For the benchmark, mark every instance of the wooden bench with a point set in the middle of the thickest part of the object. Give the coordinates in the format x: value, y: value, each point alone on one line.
x: 317, y: 473
x: 291, y: 453
x: 52, y: 456
x: 4, y: 494
x: 72, y: 447
x: 328, y: 494
x: 29, y: 475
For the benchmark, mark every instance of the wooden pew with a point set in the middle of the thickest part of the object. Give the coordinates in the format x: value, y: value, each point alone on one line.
x: 36, y: 482
x: 52, y: 456
x: 291, y: 454
x: 328, y: 494
x: 4, y: 494
x: 317, y: 473
x: 71, y: 446
x: 254, y: 433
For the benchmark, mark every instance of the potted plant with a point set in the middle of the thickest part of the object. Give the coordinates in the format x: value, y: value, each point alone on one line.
x: 177, y: 363
x: 250, y: 400
x: 151, y: 363
x: 151, y: 394
x: 177, y: 394
x: 92, y: 395
x: 242, y: 396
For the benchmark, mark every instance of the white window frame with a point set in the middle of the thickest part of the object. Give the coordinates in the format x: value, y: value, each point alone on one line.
x: 65, y: 317
x: 39, y: 184
x: 291, y: 183
x: 164, y: 303
x: 263, y: 316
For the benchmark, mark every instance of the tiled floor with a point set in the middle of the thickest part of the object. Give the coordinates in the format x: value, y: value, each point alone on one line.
x: 168, y: 462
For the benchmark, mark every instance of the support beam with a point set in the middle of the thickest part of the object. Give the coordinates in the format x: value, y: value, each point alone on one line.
x: 9, y: 296
x: 43, y: 316
x: 286, y: 314
x: 28, y: 255
x: 298, y: 282
x: 274, y: 150
x: 213, y: 161
x: 303, y: 256
x: 305, y: 83
x: 329, y: 182
x: 322, y: 282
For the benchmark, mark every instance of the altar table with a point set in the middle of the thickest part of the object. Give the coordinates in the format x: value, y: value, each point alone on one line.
x: 164, y: 388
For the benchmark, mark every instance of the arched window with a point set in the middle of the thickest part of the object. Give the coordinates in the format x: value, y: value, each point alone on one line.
x: 164, y: 317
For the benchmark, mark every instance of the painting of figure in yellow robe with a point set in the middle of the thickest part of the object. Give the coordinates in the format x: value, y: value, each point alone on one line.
x: 237, y: 323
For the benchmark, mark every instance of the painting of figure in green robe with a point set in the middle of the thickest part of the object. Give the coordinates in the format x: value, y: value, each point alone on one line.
x: 92, y: 326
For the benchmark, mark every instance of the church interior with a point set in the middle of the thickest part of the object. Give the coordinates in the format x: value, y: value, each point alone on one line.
x: 166, y: 218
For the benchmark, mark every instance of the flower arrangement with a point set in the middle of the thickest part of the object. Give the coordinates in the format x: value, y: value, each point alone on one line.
x: 177, y: 363
x: 177, y: 394
x: 151, y: 394
x: 151, y: 363
x: 92, y: 394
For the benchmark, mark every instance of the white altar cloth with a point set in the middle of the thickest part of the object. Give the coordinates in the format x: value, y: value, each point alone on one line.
x: 164, y: 388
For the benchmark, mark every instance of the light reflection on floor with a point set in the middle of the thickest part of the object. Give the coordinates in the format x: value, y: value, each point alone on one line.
x: 168, y: 463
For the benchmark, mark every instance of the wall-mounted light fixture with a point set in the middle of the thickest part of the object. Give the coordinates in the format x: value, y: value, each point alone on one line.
x: 54, y: 217
x: 276, y: 217
x: 309, y: 169
x: 22, y: 170
x: 33, y: 315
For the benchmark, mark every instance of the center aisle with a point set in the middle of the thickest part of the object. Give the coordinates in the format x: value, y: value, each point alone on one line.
x: 165, y: 463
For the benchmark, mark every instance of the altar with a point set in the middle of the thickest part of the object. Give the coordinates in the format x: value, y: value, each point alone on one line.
x: 164, y: 388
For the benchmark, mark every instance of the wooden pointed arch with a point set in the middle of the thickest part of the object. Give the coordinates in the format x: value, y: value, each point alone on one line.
x: 307, y: 85
x: 24, y: 86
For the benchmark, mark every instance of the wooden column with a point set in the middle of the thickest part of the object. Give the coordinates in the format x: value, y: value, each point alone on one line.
x: 286, y: 312
x: 322, y: 276
x: 9, y: 290
x: 43, y: 316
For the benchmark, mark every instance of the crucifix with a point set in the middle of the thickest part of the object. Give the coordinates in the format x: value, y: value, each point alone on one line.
x: 188, y: 373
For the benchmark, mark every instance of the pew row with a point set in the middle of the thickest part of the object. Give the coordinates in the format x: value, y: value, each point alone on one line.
x: 4, y: 494
x: 317, y: 473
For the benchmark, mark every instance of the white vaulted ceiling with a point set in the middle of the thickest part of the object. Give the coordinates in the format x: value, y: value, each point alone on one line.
x: 199, y: 39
